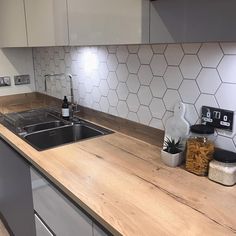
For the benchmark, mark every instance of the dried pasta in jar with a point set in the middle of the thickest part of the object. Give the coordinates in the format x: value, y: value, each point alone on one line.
x: 198, y: 155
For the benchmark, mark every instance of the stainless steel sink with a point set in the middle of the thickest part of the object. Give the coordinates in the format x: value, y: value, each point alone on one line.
x: 44, y: 126
x: 57, y: 136
x: 44, y: 129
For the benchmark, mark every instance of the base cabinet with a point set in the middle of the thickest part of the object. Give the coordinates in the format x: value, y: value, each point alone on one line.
x: 60, y: 215
x: 16, y: 203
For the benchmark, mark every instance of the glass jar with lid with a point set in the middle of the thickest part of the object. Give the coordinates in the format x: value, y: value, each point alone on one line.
x: 200, y: 149
x: 223, y: 168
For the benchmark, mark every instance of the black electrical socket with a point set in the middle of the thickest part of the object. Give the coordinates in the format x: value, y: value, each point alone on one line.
x: 218, y: 118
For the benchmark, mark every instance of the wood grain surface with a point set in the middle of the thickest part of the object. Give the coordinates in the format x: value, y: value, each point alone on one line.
x: 122, y: 183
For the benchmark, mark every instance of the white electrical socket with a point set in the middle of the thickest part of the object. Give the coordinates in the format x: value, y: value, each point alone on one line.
x: 5, y: 81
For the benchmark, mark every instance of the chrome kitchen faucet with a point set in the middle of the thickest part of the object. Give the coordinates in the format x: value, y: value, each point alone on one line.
x: 74, y: 105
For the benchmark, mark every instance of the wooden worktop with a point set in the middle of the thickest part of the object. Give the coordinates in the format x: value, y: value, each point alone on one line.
x: 122, y: 183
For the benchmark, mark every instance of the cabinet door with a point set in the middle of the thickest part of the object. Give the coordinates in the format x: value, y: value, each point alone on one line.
x: 60, y: 215
x: 97, y: 231
x: 46, y: 22
x: 12, y: 24
x: 16, y: 204
x: 104, y: 22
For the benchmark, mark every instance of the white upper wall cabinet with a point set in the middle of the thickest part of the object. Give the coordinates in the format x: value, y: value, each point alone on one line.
x: 46, y: 22
x: 101, y: 22
x: 12, y: 24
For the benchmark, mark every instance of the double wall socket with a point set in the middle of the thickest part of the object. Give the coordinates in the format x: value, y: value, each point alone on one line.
x: 21, y: 79
x: 218, y: 118
x: 5, y: 81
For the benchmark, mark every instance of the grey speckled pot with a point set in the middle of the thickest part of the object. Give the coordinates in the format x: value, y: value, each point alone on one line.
x: 171, y: 160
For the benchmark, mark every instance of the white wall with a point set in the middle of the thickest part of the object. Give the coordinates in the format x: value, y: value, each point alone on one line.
x: 16, y: 61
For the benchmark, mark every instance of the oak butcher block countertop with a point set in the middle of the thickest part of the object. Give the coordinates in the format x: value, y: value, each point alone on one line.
x: 121, y: 182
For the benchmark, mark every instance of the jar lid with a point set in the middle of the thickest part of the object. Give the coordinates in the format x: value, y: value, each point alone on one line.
x: 225, y: 156
x: 202, y: 129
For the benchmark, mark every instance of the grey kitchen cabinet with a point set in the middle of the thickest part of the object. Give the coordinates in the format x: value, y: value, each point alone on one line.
x: 97, y: 231
x: 192, y: 21
x: 16, y: 203
x: 60, y: 215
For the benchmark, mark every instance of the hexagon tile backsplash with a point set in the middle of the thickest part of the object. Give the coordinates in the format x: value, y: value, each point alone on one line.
x: 143, y: 82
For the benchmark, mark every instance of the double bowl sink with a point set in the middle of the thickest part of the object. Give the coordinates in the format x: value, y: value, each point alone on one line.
x: 53, y: 132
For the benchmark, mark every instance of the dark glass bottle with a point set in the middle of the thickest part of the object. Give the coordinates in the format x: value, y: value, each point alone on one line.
x: 65, y: 109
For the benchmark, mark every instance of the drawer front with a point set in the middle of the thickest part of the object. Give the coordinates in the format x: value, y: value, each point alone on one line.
x: 41, y: 228
x: 62, y: 217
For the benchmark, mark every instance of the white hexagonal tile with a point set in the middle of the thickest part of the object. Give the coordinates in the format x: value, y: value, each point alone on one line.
x: 61, y: 53
x: 133, y: 102
x: 190, y: 66
x: 210, y: 54
x: 104, y: 104
x: 112, y: 62
x: 145, y: 54
x: 96, y: 106
x: 174, y: 54
x: 88, y: 100
x: 103, y: 70
x: 113, y: 111
x: 205, y: 100
x: 103, y: 87
x: 95, y: 78
x: 102, y: 54
x: 133, y: 63
x: 112, y: 98
x: 96, y: 94
x: 226, y: 96
x: 157, y: 123
x: 173, y: 77
x: 191, y: 48
x: 122, y: 54
x: 191, y: 114
x: 227, y: 69
x: 144, y: 115
x: 158, y: 87
x: 133, y: 83
x: 159, y: 48
x: 145, y: 75
x: 189, y: 91
x: 228, y: 48
x: 225, y: 143
x: 158, y: 65
x: 170, y: 98
x: 122, y: 109
x: 122, y: 91
x: 208, y: 80
x: 133, y: 48
x: 122, y: 72
x: 133, y: 116
x: 144, y: 95
x: 62, y: 66
x: 112, y: 48
x: 157, y: 108
x: 112, y: 80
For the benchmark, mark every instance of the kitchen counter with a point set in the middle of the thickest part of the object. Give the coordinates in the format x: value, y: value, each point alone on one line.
x: 121, y: 182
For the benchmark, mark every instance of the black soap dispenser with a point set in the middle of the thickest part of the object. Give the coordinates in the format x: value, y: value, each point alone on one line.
x: 65, y: 109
